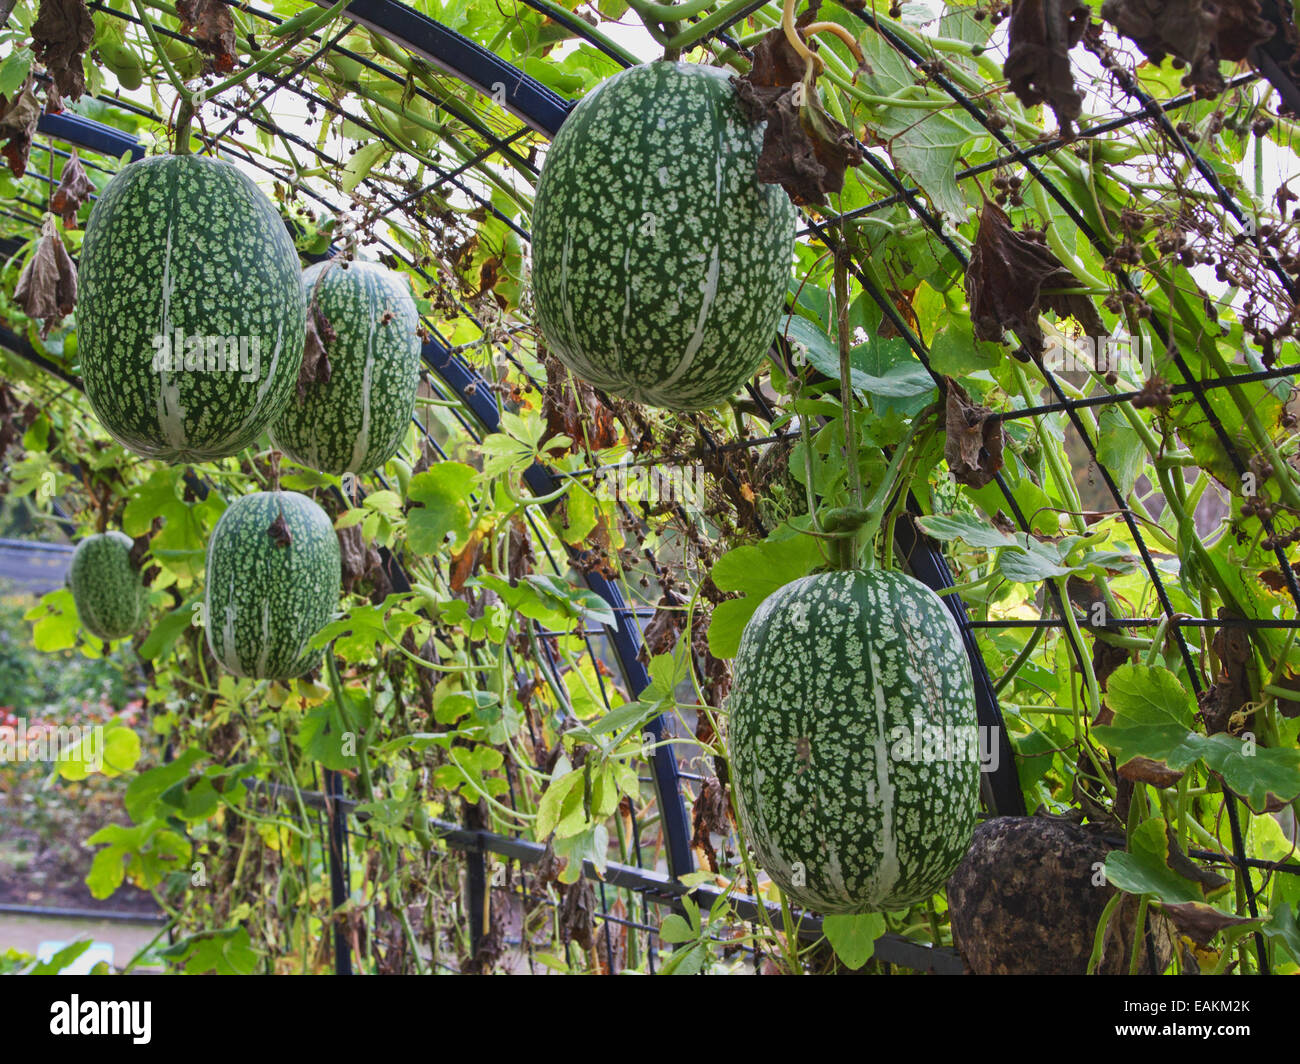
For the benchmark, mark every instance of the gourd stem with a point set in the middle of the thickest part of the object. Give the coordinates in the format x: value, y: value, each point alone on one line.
x: 839, y: 31
x: 669, y: 12
x: 699, y: 30
x: 812, y: 65
x: 846, y: 380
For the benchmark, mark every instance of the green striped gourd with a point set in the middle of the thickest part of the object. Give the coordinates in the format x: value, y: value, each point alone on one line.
x: 191, y: 315
x: 356, y: 420
x: 270, y: 589
x: 849, y: 798
x: 660, y: 262
x: 111, y: 598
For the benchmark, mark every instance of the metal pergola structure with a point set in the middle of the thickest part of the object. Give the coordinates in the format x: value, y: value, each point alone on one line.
x: 540, y: 109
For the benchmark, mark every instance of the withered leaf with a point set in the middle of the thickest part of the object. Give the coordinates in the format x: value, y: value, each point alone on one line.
x: 1038, y: 56
x: 1106, y: 658
x: 61, y: 34
x: 15, y: 417
x: 74, y: 190
x: 1004, y: 282
x: 1289, y: 707
x: 1145, y: 770
x: 18, y: 118
x: 352, y: 555
x: 577, y: 913
x: 660, y: 635
x: 315, y: 362
x: 1210, y: 882
x: 1198, y: 32
x: 1200, y: 922
x: 573, y: 408
x: 279, y: 532
x: 47, y: 287
x: 805, y: 150
x: 974, y: 438
x: 709, y: 816
x: 466, y: 562
x: 210, y: 24
x: 1222, y: 704
x: 519, y: 548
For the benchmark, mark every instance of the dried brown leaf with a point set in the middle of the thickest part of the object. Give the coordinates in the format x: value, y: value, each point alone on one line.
x: 974, y: 439
x: 1005, y: 281
x: 1196, y: 32
x: 1223, y: 703
x: 279, y: 532
x: 1144, y: 770
x: 18, y: 118
x: 62, y: 32
x: 1038, y: 56
x: 74, y: 191
x: 210, y: 24
x: 1200, y: 922
x: 315, y: 366
x: 710, y: 815
x: 47, y: 287
x: 805, y: 150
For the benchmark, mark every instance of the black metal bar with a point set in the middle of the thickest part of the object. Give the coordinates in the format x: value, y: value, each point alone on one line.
x: 333, y: 804
x: 661, y: 889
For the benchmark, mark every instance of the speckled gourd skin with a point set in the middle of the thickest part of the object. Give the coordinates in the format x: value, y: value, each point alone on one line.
x: 111, y: 599
x: 264, y: 602
x: 827, y: 668
x: 357, y: 419
x: 188, y: 243
x: 660, y: 262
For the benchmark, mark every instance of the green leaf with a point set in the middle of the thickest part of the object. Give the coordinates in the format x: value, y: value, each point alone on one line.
x: 955, y: 352
x: 904, y: 379
x: 148, y: 853
x: 325, y: 737
x: 756, y: 570
x: 1281, y: 925
x: 56, y: 625
x: 362, y: 162
x: 563, y: 797
x: 167, y: 630
x: 675, y: 930
x: 443, y: 493
x: 13, y: 71
x: 109, y: 750
x: 143, y: 792
x: 1144, y: 694
x: 1254, y: 771
x: 926, y: 145
x: 1034, y: 562
x: 227, y: 952
x: 966, y: 527
x: 589, y: 845
x: 1144, y: 869
x: 1119, y: 448
x: 853, y: 938
x: 62, y: 959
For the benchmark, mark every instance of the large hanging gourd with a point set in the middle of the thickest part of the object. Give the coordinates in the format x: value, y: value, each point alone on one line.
x: 660, y: 262
x: 273, y: 580
x: 353, y: 418
x: 852, y: 739
x: 190, y: 316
